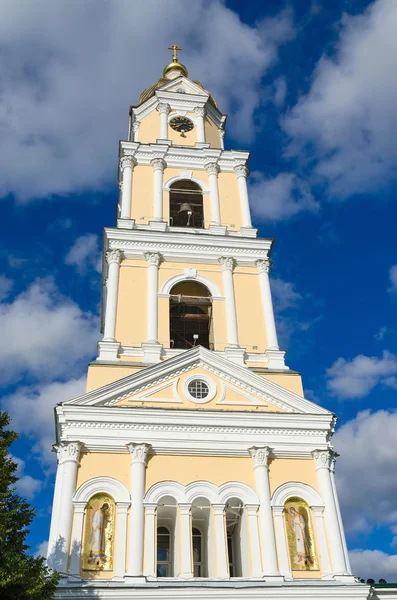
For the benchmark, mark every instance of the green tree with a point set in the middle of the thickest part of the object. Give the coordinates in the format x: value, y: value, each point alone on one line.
x: 22, y: 576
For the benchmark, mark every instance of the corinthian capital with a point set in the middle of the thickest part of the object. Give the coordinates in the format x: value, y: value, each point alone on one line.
x: 68, y: 451
x: 228, y: 263
x: 199, y: 111
x: 212, y: 168
x: 324, y: 459
x: 163, y: 108
x: 158, y: 163
x: 153, y: 258
x: 263, y: 265
x: 139, y: 452
x: 260, y: 455
x: 127, y: 161
x: 242, y: 170
x: 114, y: 256
x: 135, y: 126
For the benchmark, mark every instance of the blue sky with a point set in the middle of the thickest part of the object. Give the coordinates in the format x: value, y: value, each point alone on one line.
x: 310, y: 89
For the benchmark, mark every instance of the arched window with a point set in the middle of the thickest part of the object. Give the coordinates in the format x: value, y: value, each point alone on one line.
x: 198, y: 556
x: 163, y: 552
x: 191, y: 316
x: 237, y: 539
x: 202, y: 539
x: 186, y: 204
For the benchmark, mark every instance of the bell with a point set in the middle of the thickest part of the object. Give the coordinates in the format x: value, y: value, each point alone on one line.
x: 186, y: 207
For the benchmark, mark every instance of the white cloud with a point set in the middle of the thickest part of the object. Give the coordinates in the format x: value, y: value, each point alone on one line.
x: 356, y: 378
x: 365, y: 471
x: 284, y: 294
x: 85, y: 254
x: 71, y: 69
x: 383, y: 332
x: 44, y: 334
x: 280, y: 91
x: 345, y: 119
x: 5, y: 287
x: 26, y: 485
x: 374, y: 564
x: 31, y: 410
x: 41, y: 549
x: 393, y: 279
x: 280, y: 197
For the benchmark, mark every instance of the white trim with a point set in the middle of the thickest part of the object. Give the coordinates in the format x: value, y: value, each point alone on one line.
x: 201, y: 489
x: 295, y: 488
x: 235, y: 489
x: 165, y: 488
x: 212, y: 287
x: 200, y: 182
x: 107, y: 485
x: 212, y: 388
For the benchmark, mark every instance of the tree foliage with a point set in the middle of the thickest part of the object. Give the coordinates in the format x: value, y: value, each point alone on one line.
x: 22, y: 576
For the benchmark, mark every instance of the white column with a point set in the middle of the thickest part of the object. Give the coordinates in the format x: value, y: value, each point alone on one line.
x: 150, y: 540
x: 323, y: 460
x: 186, y: 542
x: 135, y: 129
x: 221, y: 544
x: 222, y: 136
x: 199, y: 111
x: 56, y: 507
x: 242, y: 173
x: 127, y: 164
x: 347, y: 559
x: 228, y: 265
x: 263, y: 267
x: 77, y: 538
x: 164, y: 110
x: 121, y: 538
x: 317, y: 512
x: 283, y: 556
x: 268, y: 542
x: 139, y: 454
x: 113, y: 258
x: 153, y: 260
x: 68, y: 454
x: 252, y: 513
x: 213, y: 170
x: 158, y: 165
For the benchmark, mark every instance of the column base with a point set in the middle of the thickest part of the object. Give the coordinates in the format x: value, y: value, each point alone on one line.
x: 249, y: 232
x: 202, y: 145
x: 165, y: 142
x: 215, y: 229
x: 108, y: 350
x: 273, y: 578
x: 275, y: 359
x: 125, y: 223
x: 236, y: 355
x: 151, y: 352
x: 158, y: 225
x: 134, y: 579
x: 185, y: 576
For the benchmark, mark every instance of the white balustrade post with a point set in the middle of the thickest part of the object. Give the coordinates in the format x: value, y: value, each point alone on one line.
x: 199, y: 111
x: 268, y: 541
x: 213, y: 170
x: 164, y: 110
x: 113, y: 258
x: 186, y: 542
x: 139, y: 453
x: 252, y: 512
x: 242, y: 172
x: 347, y: 559
x: 150, y: 540
x: 263, y: 267
x: 121, y: 539
x: 68, y: 454
x: 158, y: 165
x: 153, y: 260
x: 127, y: 164
x: 77, y: 538
x: 228, y: 265
x: 221, y: 542
x: 323, y: 460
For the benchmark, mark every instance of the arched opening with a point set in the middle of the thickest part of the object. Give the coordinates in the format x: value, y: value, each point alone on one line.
x: 237, y: 539
x: 300, y: 536
x: 191, y: 316
x: 186, y: 204
x: 166, y: 543
x: 98, y: 542
x: 202, y: 539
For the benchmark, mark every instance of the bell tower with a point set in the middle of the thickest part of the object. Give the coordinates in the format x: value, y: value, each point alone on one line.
x: 193, y: 461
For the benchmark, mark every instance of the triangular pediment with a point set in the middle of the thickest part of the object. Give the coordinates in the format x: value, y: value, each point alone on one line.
x: 183, y: 85
x: 173, y: 384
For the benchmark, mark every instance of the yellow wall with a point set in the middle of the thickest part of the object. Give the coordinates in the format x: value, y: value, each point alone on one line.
x: 212, y: 136
x: 289, y: 381
x: 149, y: 128
x: 229, y: 201
x: 142, y: 194
x: 100, y: 464
x: 131, y: 325
x: 282, y: 470
x: 249, y: 308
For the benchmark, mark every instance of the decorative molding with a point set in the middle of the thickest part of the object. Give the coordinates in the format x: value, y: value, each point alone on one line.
x: 186, y: 495
x: 242, y: 171
x: 158, y: 163
x: 228, y: 263
x: 210, y: 285
x: 261, y: 456
x: 153, y: 258
x: 139, y: 452
x: 199, y: 111
x: 295, y: 488
x: 263, y: 265
x: 190, y: 273
x: 163, y: 108
x: 127, y: 161
x: 324, y: 459
x: 186, y: 174
x: 113, y: 256
x: 135, y: 126
x: 107, y: 485
x: 212, y: 388
x: 212, y: 168
x: 68, y: 451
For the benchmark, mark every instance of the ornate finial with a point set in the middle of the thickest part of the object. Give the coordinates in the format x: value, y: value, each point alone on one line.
x: 175, y: 49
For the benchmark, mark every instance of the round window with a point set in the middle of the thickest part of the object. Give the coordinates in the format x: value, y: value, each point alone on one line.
x: 198, y: 389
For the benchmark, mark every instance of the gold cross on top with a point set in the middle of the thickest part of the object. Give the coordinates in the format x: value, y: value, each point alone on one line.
x: 175, y: 48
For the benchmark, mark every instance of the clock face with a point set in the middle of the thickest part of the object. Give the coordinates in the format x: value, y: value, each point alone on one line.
x: 181, y: 124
